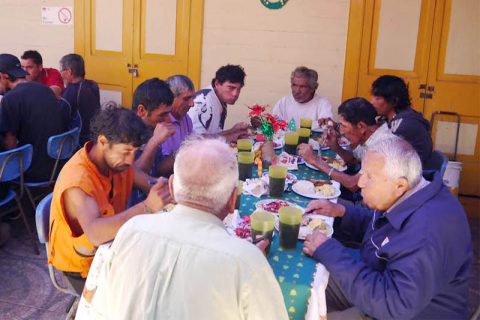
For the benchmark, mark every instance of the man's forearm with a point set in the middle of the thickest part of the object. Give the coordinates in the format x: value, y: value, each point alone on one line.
x: 147, y: 158
x: 104, y: 229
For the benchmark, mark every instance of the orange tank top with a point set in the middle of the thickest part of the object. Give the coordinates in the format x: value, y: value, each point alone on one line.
x: 68, y: 252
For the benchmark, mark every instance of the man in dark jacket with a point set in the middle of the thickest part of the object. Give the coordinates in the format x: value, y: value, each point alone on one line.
x: 416, y: 249
x: 391, y: 99
x: 29, y: 114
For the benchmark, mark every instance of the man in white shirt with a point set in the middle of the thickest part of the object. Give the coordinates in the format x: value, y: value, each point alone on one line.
x: 303, y: 102
x: 210, y: 104
x: 183, y: 264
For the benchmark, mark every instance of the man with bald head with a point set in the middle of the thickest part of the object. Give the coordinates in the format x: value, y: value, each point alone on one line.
x: 183, y: 264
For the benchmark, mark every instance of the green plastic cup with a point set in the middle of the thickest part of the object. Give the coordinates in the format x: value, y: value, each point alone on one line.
x: 290, y: 220
x: 239, y: 194
x: 277, y: 175
x: 306, y: 123
x: 244, y: 145
x: 303, y: 135
x: 291, y: 142
x: 245, y: 165
x: 262, y: 224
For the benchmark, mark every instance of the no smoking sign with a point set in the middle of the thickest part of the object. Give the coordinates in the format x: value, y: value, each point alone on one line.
x: 62, y: 16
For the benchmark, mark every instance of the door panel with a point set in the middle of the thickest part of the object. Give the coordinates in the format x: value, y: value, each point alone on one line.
x: 456, y: 92
x: 387, y: 50
x: 108, y: 50
x: 161, y: 49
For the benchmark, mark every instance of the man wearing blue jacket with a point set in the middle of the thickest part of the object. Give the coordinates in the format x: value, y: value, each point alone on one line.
x: 416, y: 249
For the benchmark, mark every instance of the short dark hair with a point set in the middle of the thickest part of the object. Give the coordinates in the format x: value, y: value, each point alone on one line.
x: 151, y: 93
x: 119, y: 125
x: 393, y: 89
x: 34, y: 55
x: 232, y: 73
x: 75, y: 63
x: 358, y: 110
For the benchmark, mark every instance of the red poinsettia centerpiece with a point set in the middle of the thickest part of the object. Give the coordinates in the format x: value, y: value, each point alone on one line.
x: 266, y: 123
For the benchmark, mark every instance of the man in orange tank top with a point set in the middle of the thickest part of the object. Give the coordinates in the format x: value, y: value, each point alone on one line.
x: 89, y: 202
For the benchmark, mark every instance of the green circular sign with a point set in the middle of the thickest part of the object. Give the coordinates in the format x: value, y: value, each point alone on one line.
x: 274, y: 5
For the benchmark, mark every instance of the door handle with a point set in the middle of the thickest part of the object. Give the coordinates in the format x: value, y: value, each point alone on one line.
x: 431, y: 88
x: 133, y: 72
x: 422, y: 86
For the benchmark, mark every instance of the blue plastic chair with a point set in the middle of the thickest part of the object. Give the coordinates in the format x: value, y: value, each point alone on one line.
x: 13, y: 164
x: 437, y: 163
x: 42, y: 219
x: 59, y: 147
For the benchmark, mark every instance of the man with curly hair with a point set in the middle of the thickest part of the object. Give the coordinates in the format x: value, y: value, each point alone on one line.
x: 89, y: 202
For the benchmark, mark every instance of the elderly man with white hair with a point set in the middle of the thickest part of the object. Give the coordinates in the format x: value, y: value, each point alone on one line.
x: 416, y: 251
x: 183, y: 264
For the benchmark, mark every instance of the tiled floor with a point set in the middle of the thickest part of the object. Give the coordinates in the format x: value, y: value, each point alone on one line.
x: 26, y: 291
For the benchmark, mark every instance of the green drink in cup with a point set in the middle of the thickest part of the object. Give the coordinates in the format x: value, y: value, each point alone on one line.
x: 277, y: 175
x: 303, y: 135
x: 306, y: 123
x: 291, y: 142
x: 239, y: 194
x: 244, y: 145
x: 245, y: 164
x: 262, y: 224
x: 290, y: 219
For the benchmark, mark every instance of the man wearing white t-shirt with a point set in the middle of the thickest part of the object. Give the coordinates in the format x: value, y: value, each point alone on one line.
x: 303, y: 102
x: 209, y: 111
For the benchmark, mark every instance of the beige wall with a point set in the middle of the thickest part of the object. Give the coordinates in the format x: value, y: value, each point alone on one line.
x: 269, y: 44
x: 21, y: 29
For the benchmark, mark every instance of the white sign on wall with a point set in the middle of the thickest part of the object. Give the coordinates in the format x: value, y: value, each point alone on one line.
x: 58, y: 16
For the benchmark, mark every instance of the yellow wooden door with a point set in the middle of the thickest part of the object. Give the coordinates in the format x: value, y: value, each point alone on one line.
x: 414, y: 39
x: 126, y: 42
x: 396, y: 41
x: 103, y: 36
x: 454, y: 85
x: 161, y: 47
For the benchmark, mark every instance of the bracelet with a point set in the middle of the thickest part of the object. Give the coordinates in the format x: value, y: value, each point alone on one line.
x: 330, y: 172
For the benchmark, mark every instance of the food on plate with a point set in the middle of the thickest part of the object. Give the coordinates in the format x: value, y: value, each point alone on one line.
x: 326, y: 190
x: 338, y: 164
x: 274, y: 205
x: 318, y: 183
x: 243, y: 229
x: 316, y: 223
x: 305, y: 187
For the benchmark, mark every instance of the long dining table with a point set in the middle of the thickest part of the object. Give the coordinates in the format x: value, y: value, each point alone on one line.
x: 301, y: 279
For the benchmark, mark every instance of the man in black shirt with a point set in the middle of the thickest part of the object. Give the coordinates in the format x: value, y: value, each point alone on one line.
x: 29, y: 114
x: 81, y: 96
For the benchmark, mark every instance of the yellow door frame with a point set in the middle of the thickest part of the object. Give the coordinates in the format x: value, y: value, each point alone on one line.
x: 353, y: 49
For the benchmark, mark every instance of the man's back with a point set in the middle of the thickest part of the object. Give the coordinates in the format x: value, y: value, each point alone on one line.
x: 32, y: 113
x: 184, y: 265
x: 84, y: 97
